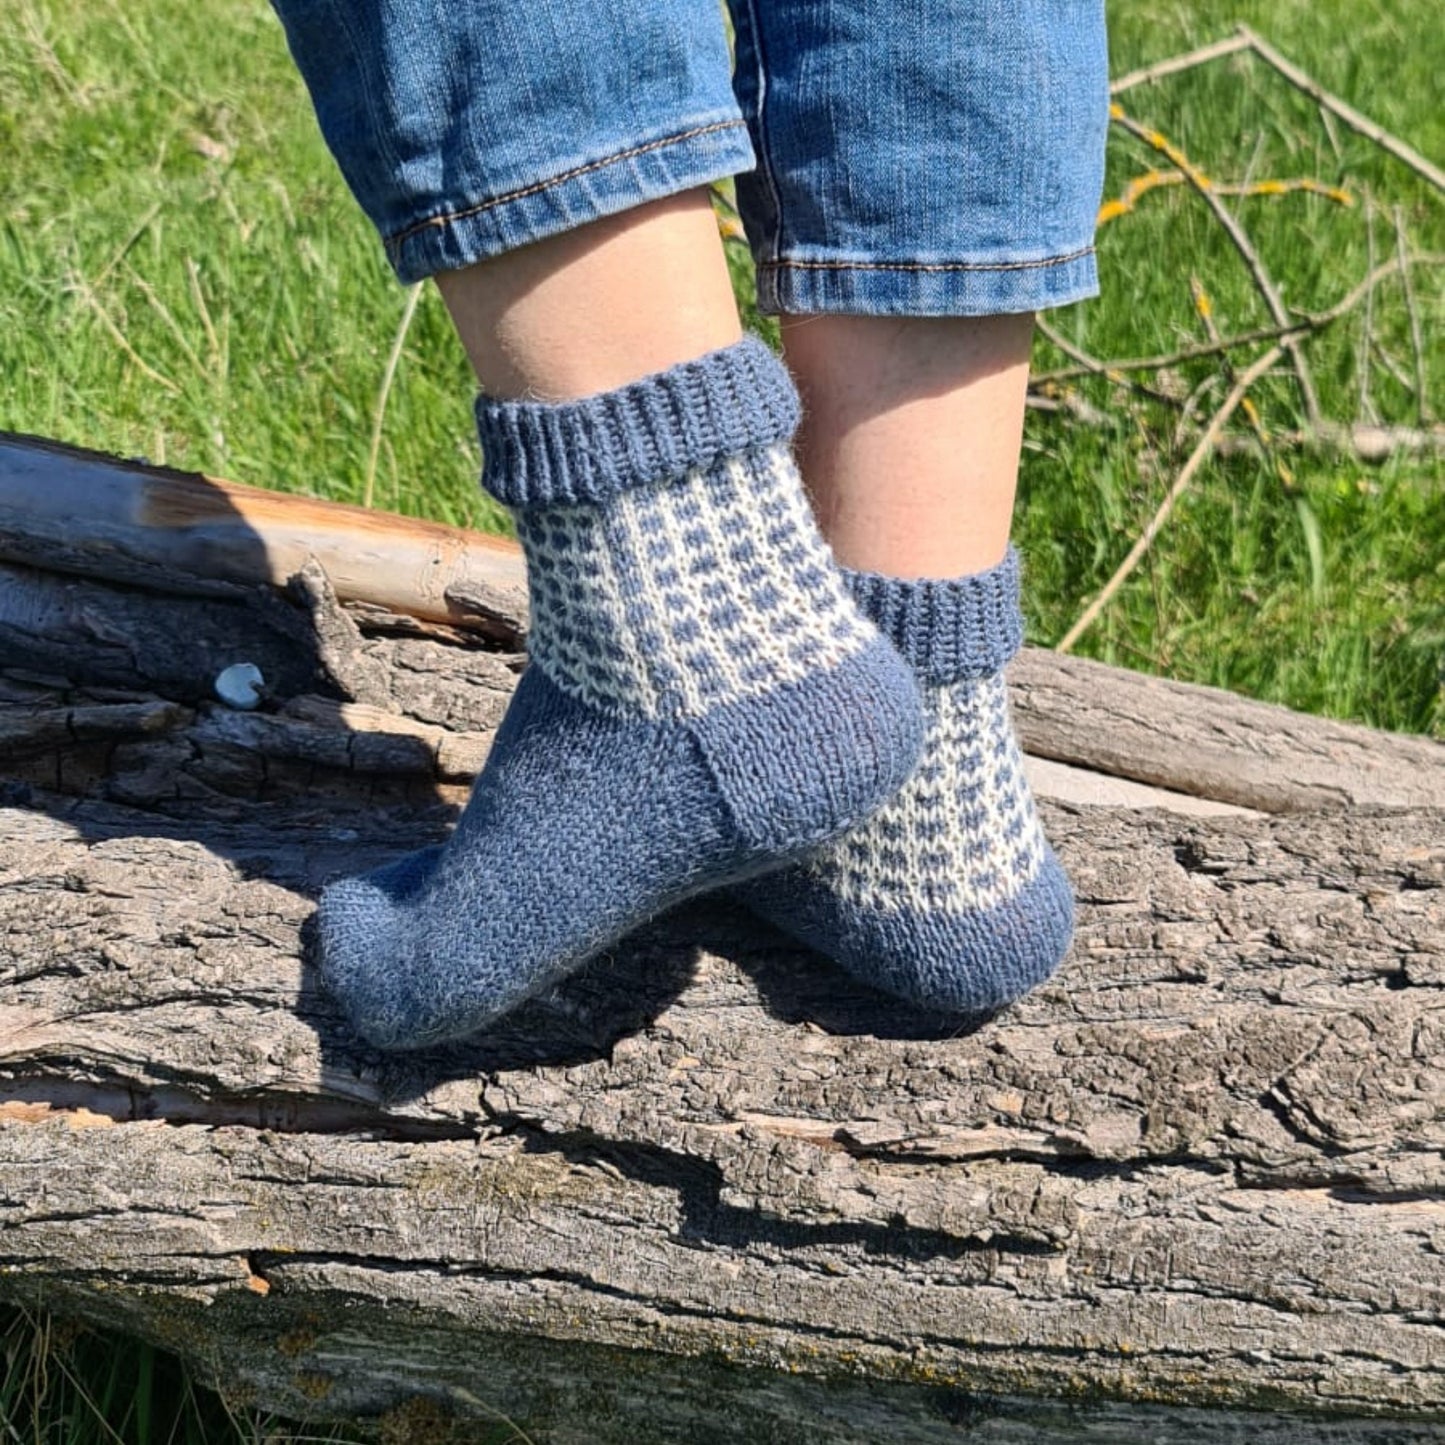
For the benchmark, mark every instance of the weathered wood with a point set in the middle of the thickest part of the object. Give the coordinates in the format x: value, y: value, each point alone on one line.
x: 710, y: 1189
x: 114, y: 690
x: 1215, y: 744
x: 1193, y: 740
x: 1204, y: 1164
x: 156, y: 526
x: 173, y: 531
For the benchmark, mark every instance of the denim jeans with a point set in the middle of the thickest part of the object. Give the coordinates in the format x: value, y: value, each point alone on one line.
x: 919, y: 157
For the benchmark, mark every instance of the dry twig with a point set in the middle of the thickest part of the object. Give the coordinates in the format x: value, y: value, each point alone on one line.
x: 123, y: 250
x: 198, y: 300
x: 1251, y: 257
x: 1246, y: 38
x: 1230, y: 45
x: 1417, y: 343
x: 82, y: 289
x: 1204, y: 306
x: 1314, y: 320
x: 1154, y: 180
x: 1089, y: 365
x: 1392, y: 367
x: 167, y: 319
x: 1191, y: 406
x: 1071, y: 402
x: 1367, y: 316
x: 383, y: 394
x: 1187, y: 472
x: 1347, y: 113
x: 1360, y: 441
x: 1308, y: 322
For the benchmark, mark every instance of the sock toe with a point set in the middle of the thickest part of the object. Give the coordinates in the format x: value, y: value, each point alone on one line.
x: 359, y: 922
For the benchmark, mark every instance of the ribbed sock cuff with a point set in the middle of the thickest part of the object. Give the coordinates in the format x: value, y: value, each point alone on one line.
x: 649, y: 432
x: 947, y: 629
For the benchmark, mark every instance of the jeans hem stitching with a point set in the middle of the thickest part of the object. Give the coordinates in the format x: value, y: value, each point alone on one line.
x: 926, y: 265
x: 448, y: 217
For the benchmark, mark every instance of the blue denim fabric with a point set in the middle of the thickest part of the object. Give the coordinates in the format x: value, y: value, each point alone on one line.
x: 925, y: 157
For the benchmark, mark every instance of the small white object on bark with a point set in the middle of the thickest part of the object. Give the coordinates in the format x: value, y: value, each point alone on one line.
x: 240, y: 685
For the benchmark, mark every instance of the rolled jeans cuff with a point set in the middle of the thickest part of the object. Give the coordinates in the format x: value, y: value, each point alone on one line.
x: 696, y: 155
x: 952, y: 165
x: 944, y: 288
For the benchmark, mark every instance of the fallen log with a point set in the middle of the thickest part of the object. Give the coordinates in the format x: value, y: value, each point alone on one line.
x: 1214, y: 744
x: 709, y: 1185
x: 185, y: 532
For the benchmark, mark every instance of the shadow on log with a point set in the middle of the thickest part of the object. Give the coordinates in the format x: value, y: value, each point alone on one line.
x: 709, y: 1188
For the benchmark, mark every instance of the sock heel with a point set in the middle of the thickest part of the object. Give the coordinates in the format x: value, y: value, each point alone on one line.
x: 804, y: 763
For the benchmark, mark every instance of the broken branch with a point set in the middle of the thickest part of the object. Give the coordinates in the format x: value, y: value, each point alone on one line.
x: 1186, y: 475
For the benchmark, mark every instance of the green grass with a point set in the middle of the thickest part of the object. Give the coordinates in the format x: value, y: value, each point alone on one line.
x: 162, y: 169
x: 64, y: 1384
x: 162, y: 163
x: 1324, y: 590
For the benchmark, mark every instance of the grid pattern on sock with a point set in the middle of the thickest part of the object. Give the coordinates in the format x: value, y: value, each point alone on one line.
x: 670, y: 601
x: 962, y: 833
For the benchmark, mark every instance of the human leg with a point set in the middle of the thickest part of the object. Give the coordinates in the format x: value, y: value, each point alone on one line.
x: 958, y: 196
x: 594, y: 308
x: 703, y: 698
x: 886, y: 400
x: 927, y: 178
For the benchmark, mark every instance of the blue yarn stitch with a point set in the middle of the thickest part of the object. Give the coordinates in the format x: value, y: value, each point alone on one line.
x: 666, y: 737
x: 949, y: 896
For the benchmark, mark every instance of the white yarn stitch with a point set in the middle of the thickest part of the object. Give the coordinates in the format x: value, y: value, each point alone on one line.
x: 921, y: 852
x: 621, y: 594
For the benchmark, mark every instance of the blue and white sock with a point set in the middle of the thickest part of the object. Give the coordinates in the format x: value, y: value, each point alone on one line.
x: 949, y: 896
x: 704, y: 701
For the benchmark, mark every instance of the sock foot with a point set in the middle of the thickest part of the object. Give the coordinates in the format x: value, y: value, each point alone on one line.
x: 703, y: 702
x: 949, y: 896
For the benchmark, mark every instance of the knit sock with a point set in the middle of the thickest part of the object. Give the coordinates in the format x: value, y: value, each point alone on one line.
x: 704, y: 701
x: 949, y: 896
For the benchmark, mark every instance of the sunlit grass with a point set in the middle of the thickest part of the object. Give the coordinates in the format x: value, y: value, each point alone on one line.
x: 184, y: 276
x: 1314, y: 581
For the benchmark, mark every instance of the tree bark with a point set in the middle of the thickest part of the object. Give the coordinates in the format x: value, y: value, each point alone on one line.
x: 709, y: 1188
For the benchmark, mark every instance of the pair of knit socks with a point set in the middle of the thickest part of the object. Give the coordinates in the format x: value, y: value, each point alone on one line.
x: 712, y: 702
